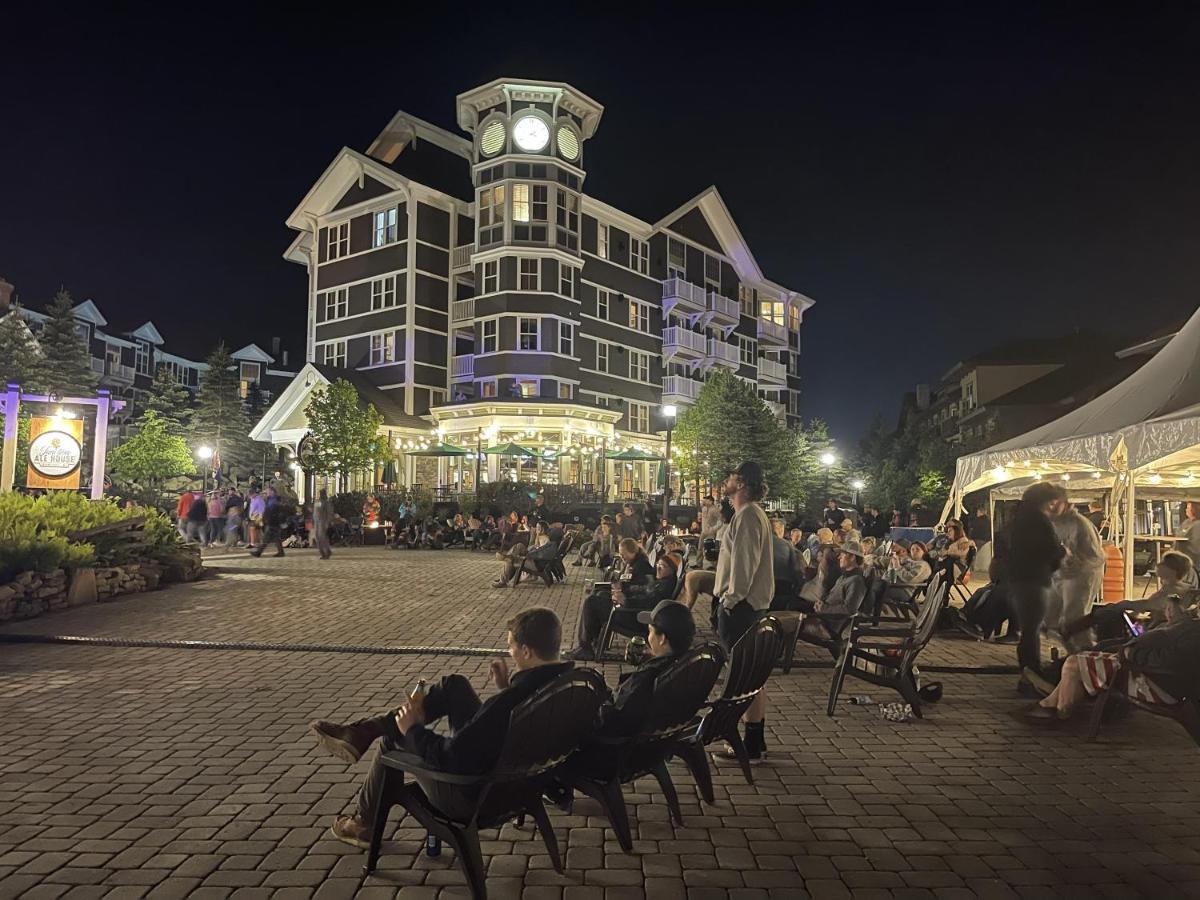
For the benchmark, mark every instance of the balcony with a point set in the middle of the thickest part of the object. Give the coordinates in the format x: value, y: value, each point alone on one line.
x: 688, y: 297
x: 680, y: 390
x: 772, y: 333
x: 772, y: 372
x: 721, y: 353
x: 462, y: 367
x: 462, y: 311
x: 681, y: 344
x: 113, y: 371
x: 721, y: 311
x: 779, y: 410
x: 460, y: 257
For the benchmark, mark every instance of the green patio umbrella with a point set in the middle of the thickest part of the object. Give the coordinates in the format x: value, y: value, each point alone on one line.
x: 389, y: 472
x: 632, y: 454
x: 440, y: 450
x: 509, y: 449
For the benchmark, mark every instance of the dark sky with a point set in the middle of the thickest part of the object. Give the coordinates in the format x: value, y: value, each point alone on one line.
x: 936, y: 178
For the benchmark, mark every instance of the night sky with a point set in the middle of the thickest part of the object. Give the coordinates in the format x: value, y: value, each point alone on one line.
x: 937, y: 179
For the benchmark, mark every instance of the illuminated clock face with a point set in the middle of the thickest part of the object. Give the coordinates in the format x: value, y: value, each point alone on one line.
x: 531, y: 134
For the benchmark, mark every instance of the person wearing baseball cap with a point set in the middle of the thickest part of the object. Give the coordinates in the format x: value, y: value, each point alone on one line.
x: 745, y: 583
x: 844, y: 599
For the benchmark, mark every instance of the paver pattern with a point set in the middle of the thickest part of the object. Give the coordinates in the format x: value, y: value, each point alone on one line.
x: 131, y: 772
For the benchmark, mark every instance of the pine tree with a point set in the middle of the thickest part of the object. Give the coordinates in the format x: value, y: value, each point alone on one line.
x: 220, y: 421
x: 66, y: 361
x: 151, y: 456
x: 20, y: 356
x: 170, y: 400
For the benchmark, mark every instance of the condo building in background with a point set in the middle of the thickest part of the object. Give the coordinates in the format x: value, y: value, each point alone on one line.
x: 476, y: 282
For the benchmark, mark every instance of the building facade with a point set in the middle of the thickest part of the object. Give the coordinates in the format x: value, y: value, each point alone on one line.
x: 476, y: 279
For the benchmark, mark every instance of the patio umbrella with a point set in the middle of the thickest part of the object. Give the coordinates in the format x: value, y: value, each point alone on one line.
x: 440, y: 450
x: 509, y: 449
x: 633, y: 455
x: 389, y: 472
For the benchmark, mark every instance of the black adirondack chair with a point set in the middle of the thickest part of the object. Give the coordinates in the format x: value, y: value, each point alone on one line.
x: 623, y: 625
x: 543, y: 731
x: 838, y: 626
x: 1185, y: 711
x: 602, y: 766
x: 750, y: 663
x: 886, y: 655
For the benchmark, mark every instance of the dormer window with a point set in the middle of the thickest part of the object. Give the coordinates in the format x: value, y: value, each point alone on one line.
x: 250, y: 374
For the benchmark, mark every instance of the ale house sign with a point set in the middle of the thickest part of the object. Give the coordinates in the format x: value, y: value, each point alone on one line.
x: 55, y: 451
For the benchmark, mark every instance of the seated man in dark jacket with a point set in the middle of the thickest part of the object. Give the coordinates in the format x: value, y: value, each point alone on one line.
x: 844, y: 599
x: 593, y: 613
x: 477, y: 727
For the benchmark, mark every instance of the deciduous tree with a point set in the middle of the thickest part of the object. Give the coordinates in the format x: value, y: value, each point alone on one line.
x: 346, y: 431
x: 151, y: 456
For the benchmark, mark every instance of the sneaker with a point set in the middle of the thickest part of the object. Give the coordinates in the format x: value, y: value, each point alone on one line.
x: 726, y: 754
x: 348, y: 742
x: 349, y: 830
x: 1038, y: 681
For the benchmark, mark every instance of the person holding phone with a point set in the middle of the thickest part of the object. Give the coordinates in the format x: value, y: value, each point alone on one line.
x: 635, y: 577
x: 477, y: 727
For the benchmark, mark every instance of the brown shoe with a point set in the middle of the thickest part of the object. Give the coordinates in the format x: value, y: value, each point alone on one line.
x: 348, y: 742
x: 349, y: 830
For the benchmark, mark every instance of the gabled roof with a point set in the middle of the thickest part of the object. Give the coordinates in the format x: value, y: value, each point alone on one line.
x: 348, y: 167
x: 89, y: 312
x: 252, y: 353
x: 405, y: 129
x: 148, y: 333
x: 724, y: 228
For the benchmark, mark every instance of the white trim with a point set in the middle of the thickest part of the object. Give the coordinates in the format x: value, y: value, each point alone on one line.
x: 522, y: 352
x: 649, y: 384
x: 383, y: 365
x: 623, y: 268
x: 373, y: 312
x: 404, y: 129
x: 356, y: 253
x: 649, y: 334
x: 628, y: 223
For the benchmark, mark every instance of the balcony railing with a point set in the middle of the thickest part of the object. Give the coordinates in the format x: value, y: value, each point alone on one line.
x: 779, y: 409
x: 678, y: 341
x: 772, y: 333
x: 461, y: 258
x: 463, y: 366
x: 723, y: 308
x: 677, y: 292
x: 462, y: 311
x: 771, y: 371
x: 113, y: 370
x: 678, y: 388
x: 98, y: 365
x: 723, y: 354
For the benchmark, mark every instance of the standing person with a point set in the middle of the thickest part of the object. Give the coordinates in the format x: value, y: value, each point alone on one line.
x: 1077, y: 581
x: 1026, y: 554
x: 710, y: 518
x: 197, y: 519
x: 182, y: 508
x: 1191, y: 531
x: 629, y: 526
x: 832, y: 516
x: 745, y: 583
x: 216, y: 518
x: 233, y: 519
x: 322, y: 518
x: 981, y: 527
x: 256, y: 511
x: 272, y: 526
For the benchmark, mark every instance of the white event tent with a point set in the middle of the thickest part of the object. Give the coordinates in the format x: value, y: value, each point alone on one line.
x: 1144, y: 432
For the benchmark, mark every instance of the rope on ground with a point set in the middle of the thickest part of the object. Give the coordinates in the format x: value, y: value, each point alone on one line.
x: 79, y: 640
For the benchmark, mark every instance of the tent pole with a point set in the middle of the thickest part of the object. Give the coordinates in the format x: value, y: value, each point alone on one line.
x: 1130, y: 518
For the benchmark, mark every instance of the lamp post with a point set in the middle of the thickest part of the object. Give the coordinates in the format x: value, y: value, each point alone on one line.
x: 858, y: 485
x: 827, y: 460
x: 669, y: 411
x: 205, y: 453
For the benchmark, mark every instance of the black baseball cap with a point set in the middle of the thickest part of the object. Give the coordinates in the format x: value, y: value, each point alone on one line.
x: 750, y: 472
x: 672, y: 620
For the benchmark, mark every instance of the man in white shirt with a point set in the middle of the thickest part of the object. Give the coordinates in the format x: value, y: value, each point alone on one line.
x: 745, y: 581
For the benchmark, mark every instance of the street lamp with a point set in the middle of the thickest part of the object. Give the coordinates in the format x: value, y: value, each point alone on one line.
x: 827, y: 460
x: 669, y: 411
x: 205, y: 453
x: 858, y: 484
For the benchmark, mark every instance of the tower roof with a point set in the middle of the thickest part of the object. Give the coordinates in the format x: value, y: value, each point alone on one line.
x: 513, y: 91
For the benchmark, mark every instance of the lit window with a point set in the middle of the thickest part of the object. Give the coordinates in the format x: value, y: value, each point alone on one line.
x: 336, y: 303
x: 489, y: 336
x: 337, y: 241
x: 639, y: 366
x: 601, y: 357
x: 527, y: 334
x: 530, y: 212
x: 491, y: 276
x: 773, y: 311
x: 565, y: 391
x: 385, y: 227
x: 794, y: 318
x: 383, y: 292
x: 639, y: 256
x: 528, y: 387
x: 602, y: 304
x: 639, y: 316
x: 487, y: 389
x: 602, y: 240
x: 491, y: 215
x: 335, y: 354
x: 520, y: 195
x: 530, y: 275
x: 383, y: 348
x: 566, y: 339
x: 566, y: 281
x: 639, y: 417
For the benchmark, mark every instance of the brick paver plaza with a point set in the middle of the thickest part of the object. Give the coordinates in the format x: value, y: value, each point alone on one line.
x: 185, y: 772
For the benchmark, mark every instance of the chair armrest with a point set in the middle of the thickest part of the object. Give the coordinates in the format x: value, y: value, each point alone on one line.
x: 880, y: 645
x: 414, y: 765
x: 883, y: 632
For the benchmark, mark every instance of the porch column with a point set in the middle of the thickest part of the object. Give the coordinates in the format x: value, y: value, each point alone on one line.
x: 8, y: 464
x: 100, y: 446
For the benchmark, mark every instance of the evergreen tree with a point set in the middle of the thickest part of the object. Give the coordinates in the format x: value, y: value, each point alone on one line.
x: 220, y: 421
x: 66, y: 360
x: 20, y: 356
x: 730, y: 423
x: 346, y: 432
x: 151, y: 456
x: 170, y: 401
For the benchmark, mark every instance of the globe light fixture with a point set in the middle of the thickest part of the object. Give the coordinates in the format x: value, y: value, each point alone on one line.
x: 205, y: 452
x: 858, y: 484
x: 828, y: 459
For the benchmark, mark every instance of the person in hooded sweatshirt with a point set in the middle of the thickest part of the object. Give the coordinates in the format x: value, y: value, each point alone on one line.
x: 1079, y: 578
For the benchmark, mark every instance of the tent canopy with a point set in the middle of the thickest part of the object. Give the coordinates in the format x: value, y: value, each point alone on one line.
x: 1148, y: 422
